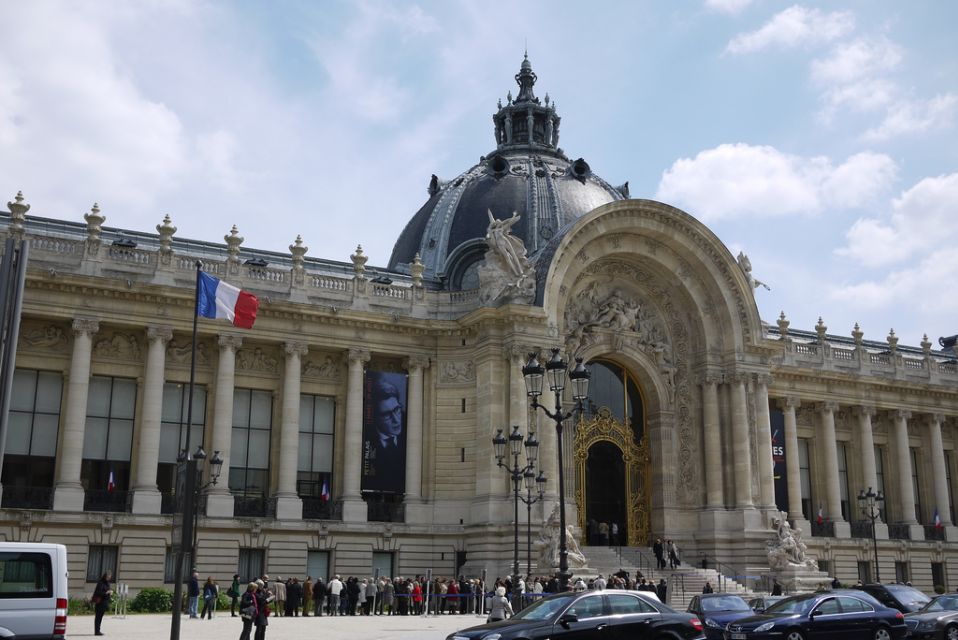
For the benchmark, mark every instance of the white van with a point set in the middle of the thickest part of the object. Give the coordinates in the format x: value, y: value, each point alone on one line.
x: 33, y: 590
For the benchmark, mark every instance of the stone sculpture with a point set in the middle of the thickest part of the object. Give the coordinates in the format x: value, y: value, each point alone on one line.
x: 506, y: 274
x: 746, y: 266
x: 787, y: 550
x: 548, y: 545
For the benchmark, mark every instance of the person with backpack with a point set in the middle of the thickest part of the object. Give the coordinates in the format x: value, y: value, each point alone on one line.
x: 249, y: 609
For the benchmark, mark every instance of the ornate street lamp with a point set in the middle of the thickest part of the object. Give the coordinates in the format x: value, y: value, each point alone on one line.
x: 555, y: 370
x: 870, y: 504
x: 535, y: 491
x: 517, y: 474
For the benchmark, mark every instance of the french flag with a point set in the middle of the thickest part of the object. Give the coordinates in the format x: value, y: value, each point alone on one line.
x: 937, y: 519
x: 324, y: 496
x: 110, y: 483
x: 218, y: 300
x: 821, y: 515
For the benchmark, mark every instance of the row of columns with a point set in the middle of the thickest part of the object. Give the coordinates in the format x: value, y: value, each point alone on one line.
x: 827, y: 446
x: 69, y: 493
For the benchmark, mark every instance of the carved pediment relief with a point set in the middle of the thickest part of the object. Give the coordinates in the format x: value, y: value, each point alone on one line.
x: 326, y: 367
x: 40, y: 337
x: 257, y: 359
x: 178, y: 353
x: 118, y: 346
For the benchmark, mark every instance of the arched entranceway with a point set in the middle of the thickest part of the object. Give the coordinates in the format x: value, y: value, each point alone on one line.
x: 612, y: 457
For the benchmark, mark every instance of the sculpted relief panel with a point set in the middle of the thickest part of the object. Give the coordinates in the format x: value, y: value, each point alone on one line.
x: 119, y: 346
x: 37, y: 337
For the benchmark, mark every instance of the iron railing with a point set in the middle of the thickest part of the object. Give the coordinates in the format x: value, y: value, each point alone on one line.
x: 824, y: 530
x: 386, y: 511
x: 862, y: 529
x: 250, y: 506
x: 20, y: 497
x: 899, y: 532
x: 933, y: 532
x: 319, y: 509
x: 167, y: 503
x: 100, y: 500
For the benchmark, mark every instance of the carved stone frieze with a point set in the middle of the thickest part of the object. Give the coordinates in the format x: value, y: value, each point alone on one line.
x: 257, y: 359
x: 178, y: 353
x: 119, y: 346
x: 326, y: 367
x: 47, y: 338
x: 457, y: 372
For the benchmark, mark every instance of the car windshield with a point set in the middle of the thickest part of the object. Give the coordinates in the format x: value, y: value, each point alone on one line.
x: 942, y: 603
x: 906, y: 594
x: 543, y: 609
x: 724, y: 603
x: 791, y: 606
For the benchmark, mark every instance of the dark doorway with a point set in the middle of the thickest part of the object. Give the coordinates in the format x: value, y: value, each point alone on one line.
x: 605, y: 489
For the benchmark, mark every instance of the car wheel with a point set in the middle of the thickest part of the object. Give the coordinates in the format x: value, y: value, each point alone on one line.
x: 881, y: 633
x: 794, y: 635
x: 951, y: 632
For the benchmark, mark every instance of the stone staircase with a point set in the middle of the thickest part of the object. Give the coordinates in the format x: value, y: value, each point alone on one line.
x: 684, y: 582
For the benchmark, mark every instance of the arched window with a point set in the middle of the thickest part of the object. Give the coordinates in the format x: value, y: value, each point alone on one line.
x: 614, y: 388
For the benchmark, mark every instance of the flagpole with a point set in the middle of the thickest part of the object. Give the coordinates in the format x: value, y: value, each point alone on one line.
x: 187, y: 499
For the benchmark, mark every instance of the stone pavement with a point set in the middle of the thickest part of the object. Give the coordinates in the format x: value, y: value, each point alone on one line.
x: 157, y: 627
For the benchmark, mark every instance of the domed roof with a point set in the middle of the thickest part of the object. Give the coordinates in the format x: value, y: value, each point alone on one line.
x: 531, y: 177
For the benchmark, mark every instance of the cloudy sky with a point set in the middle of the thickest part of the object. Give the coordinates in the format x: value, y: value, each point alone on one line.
x: 821, y: 138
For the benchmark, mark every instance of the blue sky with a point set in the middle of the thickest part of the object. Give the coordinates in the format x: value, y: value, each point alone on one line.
x: 820, y: 138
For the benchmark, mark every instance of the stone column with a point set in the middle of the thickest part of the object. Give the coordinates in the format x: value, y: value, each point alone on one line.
x: 763, y: 425
x: 68, y: 494
x: 741, y: 441
x: 219, y: 500
x: 906, y: 492
x: 938, y: 469
x: 792, y: 463
x: 415, y: 365
x: 866, y: 443
x: 833, y: 494
x: 289, y: 506
x: 712, y: 436
x: 146, y: 497
x: 354, y: 509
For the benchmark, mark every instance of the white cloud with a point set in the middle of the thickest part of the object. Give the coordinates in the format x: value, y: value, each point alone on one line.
x: 852, y: 61
x: 796, y: 26
x: 922, y: 218
x: 916, y: 116
x: 737, y: 180
x: 727, y: 6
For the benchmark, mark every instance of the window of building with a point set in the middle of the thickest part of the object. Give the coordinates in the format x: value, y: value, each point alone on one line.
x: 614, y: 388
x: 32, y: 431
x: 100, y: 559
x: 169, y: 562
x: 825, y: 566
x: 383, y: 561
x: 843, y: 480
x: 805, y: 473
x: 252, y: 564
x: 901, y: 572
x: 317, y: 564
x: 316, y: 422
x: 880, y: 479
x: 108, y: 437
x: 865, y: 571
x: 249, y: 455
x: 951, y: 494
x: 173, y: 429
x: 916, y: 484
x: 938, y: 577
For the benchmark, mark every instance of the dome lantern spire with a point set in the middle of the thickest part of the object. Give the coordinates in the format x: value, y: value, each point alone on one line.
x: 524, y: 122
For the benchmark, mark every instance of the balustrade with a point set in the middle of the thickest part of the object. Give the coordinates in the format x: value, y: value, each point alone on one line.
x: 933, y: 532
x: 862, y: 529
x: 101, y: 500
x: 899, y: 532
x: 250, y: 506
x: 319, y: 509
x: 823, y: 530
x: 19, y: 497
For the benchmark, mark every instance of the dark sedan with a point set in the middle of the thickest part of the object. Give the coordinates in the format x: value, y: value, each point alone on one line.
x: 937, y: 620
x: 716, y: 610
x: 590, y: 615
x: 826, y: 615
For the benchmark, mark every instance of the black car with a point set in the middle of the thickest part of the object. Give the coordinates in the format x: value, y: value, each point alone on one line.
x: 760, y: 603
x: 591, y: 615
x: 897, y: 596
x: 716, y: 610
x: 938, y: 619
x: 846, y: 614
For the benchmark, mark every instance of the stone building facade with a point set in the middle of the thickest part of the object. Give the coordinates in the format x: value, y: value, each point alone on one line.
x: 696, y: 403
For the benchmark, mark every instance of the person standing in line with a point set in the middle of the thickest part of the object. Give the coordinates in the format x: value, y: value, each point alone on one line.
x: 294, y: 597
x: 389, y: 597
x: 319, y: 596
x: 263, y: 598
x: 248, y: 607
x: 334, y: 588
x: 279, y: 595
x: 307, y: 596
x: 234, y: 594
x: 209, y: 598
x: 193, y: 594
x: 659, y: 552
x: 102, y: 594
x: 662, y: 590
x: 500, y: 606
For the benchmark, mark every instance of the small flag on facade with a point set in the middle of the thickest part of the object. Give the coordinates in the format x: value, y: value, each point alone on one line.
x: 937, y: 519
x: 110, y: 483
x: 218, y: 300
x: 821, y: 515
x: 325, y: 491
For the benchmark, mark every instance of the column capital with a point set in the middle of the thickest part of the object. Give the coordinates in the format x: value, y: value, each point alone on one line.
x: 900, y: 414
x: 763, y: 379
x: 865, y: 410
x: 829, y: 406
x: 298, y: 349
x: 736, y: 378
x: 159, y: 332
x: 521, y: 352
x: 357, y: 354
x: 937, y: 418
x: 85, y: 326
x: 416, y: 362
x: 709, y: 377
x: 229, y: 341
x: 789, y: 402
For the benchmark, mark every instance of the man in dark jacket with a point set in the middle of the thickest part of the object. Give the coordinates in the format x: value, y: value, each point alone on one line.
x: 662, y: 590
x: 294, y: 597
x: 193, y: 594
x: 319, y: 595
x: 659, y: 552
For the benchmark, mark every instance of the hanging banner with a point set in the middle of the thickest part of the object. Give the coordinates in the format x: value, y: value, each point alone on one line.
x: 779, y: 469
x: 384, y: 432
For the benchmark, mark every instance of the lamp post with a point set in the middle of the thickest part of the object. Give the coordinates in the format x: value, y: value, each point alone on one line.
x: 870, y: 504
x: 555, y: 369
x: 537, y: 483
x: 516, y: 442
x: 188, y: 486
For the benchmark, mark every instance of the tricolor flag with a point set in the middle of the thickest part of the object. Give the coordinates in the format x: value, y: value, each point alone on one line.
x: 324, y: 496
x: 821, y: 515
x: 110, y: 483
x: 937, y: 519
x: 218, y: 300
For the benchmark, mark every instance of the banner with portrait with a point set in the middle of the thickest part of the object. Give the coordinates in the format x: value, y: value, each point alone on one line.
x: 384, y: 432
x: 779, y: 467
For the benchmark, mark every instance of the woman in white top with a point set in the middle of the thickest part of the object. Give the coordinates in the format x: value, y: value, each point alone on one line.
x: 500, y: 605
